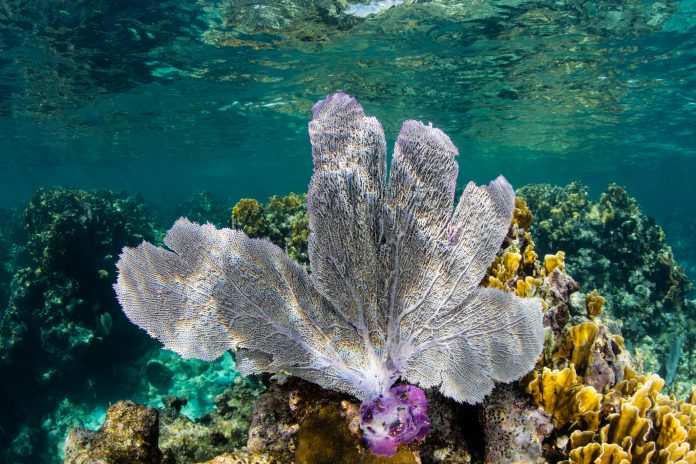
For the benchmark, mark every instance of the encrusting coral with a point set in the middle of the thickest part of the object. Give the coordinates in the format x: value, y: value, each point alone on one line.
x: 394, y: 292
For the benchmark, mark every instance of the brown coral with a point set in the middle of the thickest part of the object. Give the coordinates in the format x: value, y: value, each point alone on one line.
x: 248, y: 215
x: 521, y: 216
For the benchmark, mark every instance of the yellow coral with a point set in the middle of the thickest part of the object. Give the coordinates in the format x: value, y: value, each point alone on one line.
x: 525, y: 287
x: 553, y: 262
x: 595, y: 453
x: 564, y: 398
x: 671, y: 431
x: 594, y: 303
x: 248, y: 215
x: 530, y: 256
x: 676, y: 454
x: 626, y: 428
x: 521, y: 216
x: 649, y: 427
x: 503, y: 269
x: 494, y: 282
x: 582, y: 338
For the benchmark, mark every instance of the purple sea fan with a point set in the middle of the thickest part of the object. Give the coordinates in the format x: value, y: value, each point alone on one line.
x: 393, y: 296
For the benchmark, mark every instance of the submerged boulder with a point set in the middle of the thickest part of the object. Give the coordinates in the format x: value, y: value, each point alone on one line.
x: 129, y: 435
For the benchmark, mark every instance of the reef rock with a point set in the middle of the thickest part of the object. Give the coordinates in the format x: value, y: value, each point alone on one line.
x: 129, y: 435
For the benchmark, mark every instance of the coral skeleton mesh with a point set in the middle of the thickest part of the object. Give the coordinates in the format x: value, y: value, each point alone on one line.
x: 393, y: 299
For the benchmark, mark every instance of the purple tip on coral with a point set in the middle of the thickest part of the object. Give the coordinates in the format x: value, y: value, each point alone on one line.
x: 397, y: 417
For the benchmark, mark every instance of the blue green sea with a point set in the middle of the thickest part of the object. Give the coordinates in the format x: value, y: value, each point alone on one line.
x: 117, y: 117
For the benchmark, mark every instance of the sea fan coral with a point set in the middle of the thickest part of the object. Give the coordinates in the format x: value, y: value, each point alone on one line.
x: 394, y: 292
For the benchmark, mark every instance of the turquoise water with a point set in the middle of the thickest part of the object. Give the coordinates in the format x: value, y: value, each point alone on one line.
x: 166, y: 99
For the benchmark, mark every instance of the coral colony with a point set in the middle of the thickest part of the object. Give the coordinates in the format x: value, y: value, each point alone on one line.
x: 393, y: 299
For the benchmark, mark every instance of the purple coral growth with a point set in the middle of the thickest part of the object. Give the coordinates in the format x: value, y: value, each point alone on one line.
x: 392, y: 418
x: 394, y: 292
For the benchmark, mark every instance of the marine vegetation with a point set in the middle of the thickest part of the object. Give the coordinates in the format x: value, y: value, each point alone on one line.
x: 393, y: 299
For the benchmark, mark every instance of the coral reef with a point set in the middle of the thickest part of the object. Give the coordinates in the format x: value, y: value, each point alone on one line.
x: 592, y: 406
x: 584, y: 397
x: 631, y: 422
x: 615, y: 249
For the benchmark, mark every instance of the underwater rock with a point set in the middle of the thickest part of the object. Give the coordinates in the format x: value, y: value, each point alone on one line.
x: 129, y: 435
x: 514, y: 428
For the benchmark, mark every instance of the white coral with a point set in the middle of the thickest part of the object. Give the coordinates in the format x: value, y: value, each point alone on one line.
x: 394, y: 290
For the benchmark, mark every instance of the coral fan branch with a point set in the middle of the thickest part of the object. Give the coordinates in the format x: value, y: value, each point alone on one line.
x: 394, y: 290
